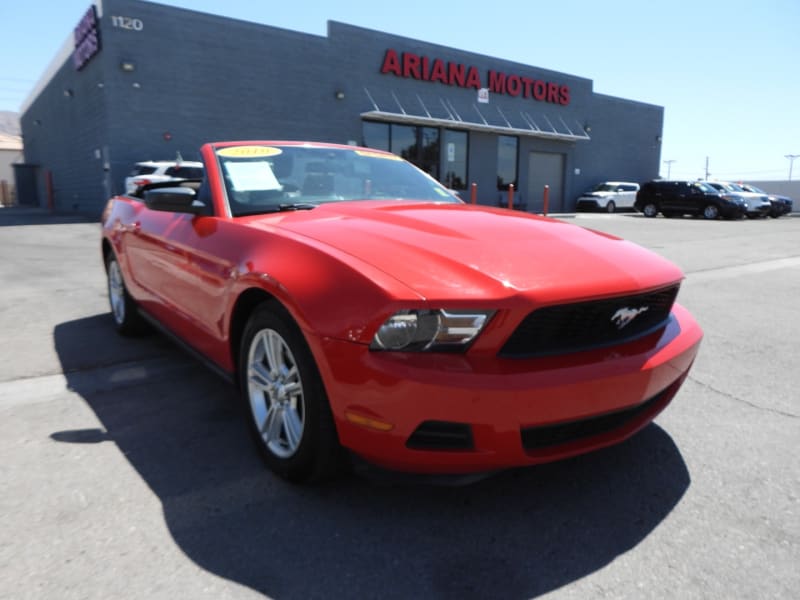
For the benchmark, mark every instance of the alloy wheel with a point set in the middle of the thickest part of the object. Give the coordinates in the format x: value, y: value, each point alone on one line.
x: 275, y: 392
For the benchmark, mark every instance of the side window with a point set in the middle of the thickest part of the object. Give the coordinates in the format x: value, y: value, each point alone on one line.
x: 507, y: 156
x: 142, y: 170
x: 184, y: 172
x: 682, y: 189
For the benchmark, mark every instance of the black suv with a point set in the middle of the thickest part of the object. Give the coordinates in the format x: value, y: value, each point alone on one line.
x: 677, y: 198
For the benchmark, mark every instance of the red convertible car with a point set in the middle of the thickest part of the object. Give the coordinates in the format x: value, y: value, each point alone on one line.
x: 363, y: 309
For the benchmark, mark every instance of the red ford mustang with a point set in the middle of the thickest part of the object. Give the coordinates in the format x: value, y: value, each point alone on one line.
x: 360, y: 306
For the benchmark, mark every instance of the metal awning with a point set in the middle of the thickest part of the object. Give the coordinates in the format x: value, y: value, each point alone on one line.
x: 491, y: 119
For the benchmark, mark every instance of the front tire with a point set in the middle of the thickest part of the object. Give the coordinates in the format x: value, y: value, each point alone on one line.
x: 289, y: 414
x: 611, y: 207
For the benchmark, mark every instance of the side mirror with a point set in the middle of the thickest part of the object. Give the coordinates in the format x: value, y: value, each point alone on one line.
x: 174, y: 199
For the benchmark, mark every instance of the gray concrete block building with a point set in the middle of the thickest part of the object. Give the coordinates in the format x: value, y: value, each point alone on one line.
x: 143, y: 81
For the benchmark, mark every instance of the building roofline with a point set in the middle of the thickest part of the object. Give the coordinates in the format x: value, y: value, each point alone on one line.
x: 63, y: 55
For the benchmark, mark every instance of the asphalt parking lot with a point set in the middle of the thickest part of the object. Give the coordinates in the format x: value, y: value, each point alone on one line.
x: 126, y: 471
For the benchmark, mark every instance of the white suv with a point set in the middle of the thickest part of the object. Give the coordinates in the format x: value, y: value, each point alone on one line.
x: 153, y: 171
x: 609, y: 196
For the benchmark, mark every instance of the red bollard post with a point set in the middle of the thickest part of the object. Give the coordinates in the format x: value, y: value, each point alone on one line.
x: 474, y: 193
x: 546, y: 198
x: 510, y: 196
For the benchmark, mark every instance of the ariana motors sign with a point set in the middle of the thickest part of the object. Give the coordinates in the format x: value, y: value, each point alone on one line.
x: 413, y: 66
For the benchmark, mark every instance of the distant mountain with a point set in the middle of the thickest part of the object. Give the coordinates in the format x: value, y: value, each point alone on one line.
x: 9, y: 122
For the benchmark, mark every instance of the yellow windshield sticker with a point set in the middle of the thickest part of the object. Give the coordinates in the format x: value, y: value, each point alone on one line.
x: 249, y: 151
x: 442, y: 193
x: 378, y: 155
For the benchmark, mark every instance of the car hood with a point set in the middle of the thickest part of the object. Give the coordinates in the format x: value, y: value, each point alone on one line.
x: 456, y: 251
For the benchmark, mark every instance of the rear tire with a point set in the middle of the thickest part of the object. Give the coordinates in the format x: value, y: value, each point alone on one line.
x: 650, y: 210
x: 710, y: 212
x: 124, y: 310
x: 289, y: 414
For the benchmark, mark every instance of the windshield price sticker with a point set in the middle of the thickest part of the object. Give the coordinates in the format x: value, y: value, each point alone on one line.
x: 249, y: 151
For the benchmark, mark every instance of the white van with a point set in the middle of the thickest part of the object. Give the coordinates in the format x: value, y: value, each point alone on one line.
x: 609, y: 196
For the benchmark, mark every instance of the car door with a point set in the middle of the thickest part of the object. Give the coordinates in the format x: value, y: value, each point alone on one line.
x: 627, y: 196
x: 149, y: 256
x: 197, y: 284
x: 666, y: 194
x: 696, y: 199
x: 681, y: 198
x: 175, y: 258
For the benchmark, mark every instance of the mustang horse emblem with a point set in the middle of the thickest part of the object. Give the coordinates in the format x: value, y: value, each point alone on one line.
x: 625, y: 315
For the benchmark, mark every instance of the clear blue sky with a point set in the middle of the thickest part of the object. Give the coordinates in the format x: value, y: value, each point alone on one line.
x: 726, y: 71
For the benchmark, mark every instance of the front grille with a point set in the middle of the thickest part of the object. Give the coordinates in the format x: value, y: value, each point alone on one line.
x: 586, y: 325
x: 441, y: 435
x: 537, y: 438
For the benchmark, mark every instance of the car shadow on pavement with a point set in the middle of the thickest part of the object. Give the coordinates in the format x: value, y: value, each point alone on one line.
x: 518, y: 534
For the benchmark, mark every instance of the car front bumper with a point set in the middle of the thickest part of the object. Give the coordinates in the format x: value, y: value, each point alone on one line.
x: 589, y: 204
x: 450, y: 414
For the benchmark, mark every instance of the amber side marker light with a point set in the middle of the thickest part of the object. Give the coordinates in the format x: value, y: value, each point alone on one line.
x: 367, y: 422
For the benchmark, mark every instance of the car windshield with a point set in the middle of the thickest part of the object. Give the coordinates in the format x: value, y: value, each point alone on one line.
x: 270, y: 178
x: 604, y: 187
x: 752, y: 188
x: 708, y: 188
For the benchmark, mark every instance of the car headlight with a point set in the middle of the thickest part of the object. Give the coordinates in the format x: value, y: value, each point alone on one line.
x: 430, y: 330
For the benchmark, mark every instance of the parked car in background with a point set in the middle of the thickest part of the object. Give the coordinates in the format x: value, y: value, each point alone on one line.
x: 677, y: 198
x: 758, y: 205
x: 609, y: 196
x: 156, y: 171
x: 779, y: 205
x: 364, y: 309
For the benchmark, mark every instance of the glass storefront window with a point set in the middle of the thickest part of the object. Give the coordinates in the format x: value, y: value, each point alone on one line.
x: 506, y: 161
x: 454, y: 151
x: 429, y: 150
x: 376, y: 135
x: 423, y: 146
x: 404, y: 142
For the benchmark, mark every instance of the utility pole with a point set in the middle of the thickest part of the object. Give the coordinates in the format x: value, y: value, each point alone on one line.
x: 791, y: 158
x: 707, y: 168
x: 669, y: 166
